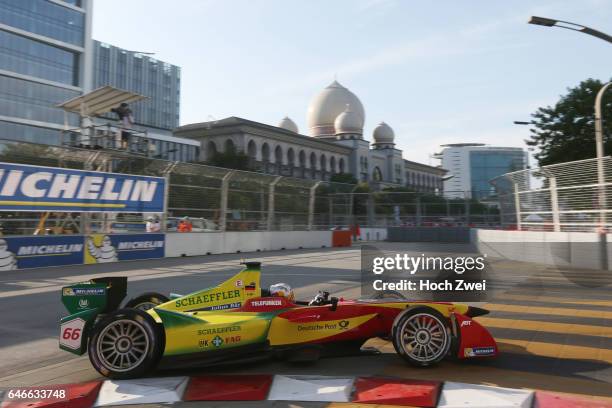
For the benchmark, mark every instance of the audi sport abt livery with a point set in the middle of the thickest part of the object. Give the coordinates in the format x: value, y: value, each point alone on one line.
x: 233, y: 322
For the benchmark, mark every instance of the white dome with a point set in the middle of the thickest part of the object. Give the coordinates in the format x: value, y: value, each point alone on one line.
x: 348, y: 122
x: 288, y: 124
x: 327, y: 105
x: 383, y: 134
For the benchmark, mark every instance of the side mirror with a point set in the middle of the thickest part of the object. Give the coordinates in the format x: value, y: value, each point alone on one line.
x: 334, y: 304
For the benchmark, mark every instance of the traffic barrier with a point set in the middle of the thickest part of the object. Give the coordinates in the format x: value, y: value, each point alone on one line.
x: 311, y: 388
x: 342, y: 238
x: 544, y: 399
x: 390, y: 391
x: 461, y: 395
x: 77, y: 396
x: 228, y: 388
x: 141, y: 391
x: 367, y: 390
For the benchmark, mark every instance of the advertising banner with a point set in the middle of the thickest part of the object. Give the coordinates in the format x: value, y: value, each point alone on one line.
x: 38, y: 188
x: 102, y: 248
x: 35, y: 252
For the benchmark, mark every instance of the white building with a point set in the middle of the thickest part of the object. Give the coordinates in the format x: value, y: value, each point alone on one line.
x: 336, y: 144
x: 472, y: 166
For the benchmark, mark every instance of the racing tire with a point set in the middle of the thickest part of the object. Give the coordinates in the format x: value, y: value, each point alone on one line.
x: 421, y: 336
x: 126, y: 344
x: 146, y: 301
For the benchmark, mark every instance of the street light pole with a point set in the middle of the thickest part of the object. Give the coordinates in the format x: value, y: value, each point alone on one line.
x: 600, y: 153
x: 599, y: 146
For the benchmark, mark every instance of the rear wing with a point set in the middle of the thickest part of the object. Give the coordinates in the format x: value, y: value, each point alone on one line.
x: 85, y: 301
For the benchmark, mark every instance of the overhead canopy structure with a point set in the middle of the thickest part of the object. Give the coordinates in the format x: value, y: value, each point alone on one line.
x: 100, y: 101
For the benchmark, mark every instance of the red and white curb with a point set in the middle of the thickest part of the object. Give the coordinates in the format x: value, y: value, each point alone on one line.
x: 363, y: 390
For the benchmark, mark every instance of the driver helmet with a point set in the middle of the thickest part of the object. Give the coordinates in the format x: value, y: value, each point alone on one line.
x: 282, y: 290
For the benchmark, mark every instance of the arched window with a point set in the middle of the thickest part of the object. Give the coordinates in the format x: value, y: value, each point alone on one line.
x: 313, y: 161
x: 377, y: 174
x: 211, y: 150
x: 252, y: 149
x: 341, y: 165
x: 302, y: 158
x: 265, y: 152
x: 332, y: 164
x: 323, y: 163
x: 291, y: 157
x: 278, y: 155
x: 229, y: 146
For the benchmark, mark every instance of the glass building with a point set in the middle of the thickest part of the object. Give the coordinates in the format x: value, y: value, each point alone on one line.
x: 43, y: 48
x: 47, y: 57
x: 486, y: 165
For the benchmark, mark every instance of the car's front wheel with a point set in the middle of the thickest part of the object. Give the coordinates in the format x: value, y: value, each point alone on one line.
x: 421, y: 336
x: 125, y: 344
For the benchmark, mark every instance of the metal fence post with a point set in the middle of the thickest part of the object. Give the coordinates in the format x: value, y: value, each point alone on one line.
x: 271, y: 189
x: 224, y: 192
x: 418, y: 210
x: 311, y: 204
x: 517, y: 206
x: 554, y: 203
x: 166, y: 173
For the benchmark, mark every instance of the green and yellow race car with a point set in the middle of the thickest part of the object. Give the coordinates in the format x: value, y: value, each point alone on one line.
x: 238, y: 321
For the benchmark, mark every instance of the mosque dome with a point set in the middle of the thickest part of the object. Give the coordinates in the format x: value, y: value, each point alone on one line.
x: 348, y: 122
x: 288, y: 124
x: 327, y: 105
x: 383, y: 134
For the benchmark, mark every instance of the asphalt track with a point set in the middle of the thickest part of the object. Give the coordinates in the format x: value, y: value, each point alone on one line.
x: 554, y: 333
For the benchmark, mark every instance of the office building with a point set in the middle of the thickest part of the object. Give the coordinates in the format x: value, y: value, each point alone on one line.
x: 44, y: 60
x: 47, y: 56
x: 472, y: 166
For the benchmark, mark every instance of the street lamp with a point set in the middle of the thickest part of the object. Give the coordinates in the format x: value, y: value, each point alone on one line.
x: 549, y: 22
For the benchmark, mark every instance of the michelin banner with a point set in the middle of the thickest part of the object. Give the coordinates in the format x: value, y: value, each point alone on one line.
x: 101, y: 248
x: 38, y: 188
x: 40, y: 251
x: 35, y: 252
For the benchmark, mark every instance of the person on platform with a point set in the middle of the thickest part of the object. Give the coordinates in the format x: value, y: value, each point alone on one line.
x: 126, y: 118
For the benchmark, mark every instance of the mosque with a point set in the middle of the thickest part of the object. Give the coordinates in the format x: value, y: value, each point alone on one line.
x: 335, y: 144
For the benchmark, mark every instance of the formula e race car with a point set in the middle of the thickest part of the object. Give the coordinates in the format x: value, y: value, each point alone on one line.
x: 238, y: 321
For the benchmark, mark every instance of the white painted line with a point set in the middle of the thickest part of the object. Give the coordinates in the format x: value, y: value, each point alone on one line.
x: 142, y: 391
x: 461, y: 395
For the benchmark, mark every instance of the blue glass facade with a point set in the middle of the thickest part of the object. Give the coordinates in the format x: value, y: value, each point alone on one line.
x: 30, y: 57
x: 486, y: 165
x: 44, y: 18
x: 29, y: 48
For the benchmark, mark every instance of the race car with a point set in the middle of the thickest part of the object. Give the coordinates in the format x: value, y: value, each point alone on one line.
x: 238, y: 321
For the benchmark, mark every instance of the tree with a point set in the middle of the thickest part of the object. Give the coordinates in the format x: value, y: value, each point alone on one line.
x: 343, y: 178
x: 230, y: 160
x: 566, y: 132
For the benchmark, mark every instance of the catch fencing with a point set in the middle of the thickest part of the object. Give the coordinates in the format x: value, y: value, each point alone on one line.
x: 219, y: 199
x: 571, y: 196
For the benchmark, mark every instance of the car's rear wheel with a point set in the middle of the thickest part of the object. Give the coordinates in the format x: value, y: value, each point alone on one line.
x: 125, y: 344
x: 146, y: 301
x: 421, y: 336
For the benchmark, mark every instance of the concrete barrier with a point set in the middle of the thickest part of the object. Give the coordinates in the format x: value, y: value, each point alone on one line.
x: 199, y: 243
x: 429, y: 234
x: 373, y: 234
x: 587, y: 250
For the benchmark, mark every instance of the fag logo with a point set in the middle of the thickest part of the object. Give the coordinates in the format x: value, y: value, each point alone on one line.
x: 217, y: 341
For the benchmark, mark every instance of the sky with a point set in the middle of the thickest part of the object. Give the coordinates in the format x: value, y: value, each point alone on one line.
x: 437, y: 72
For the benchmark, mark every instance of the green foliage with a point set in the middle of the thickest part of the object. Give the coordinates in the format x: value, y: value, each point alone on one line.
x: 566, y: 131
x: 230, y: 160
x: 343, y: 178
